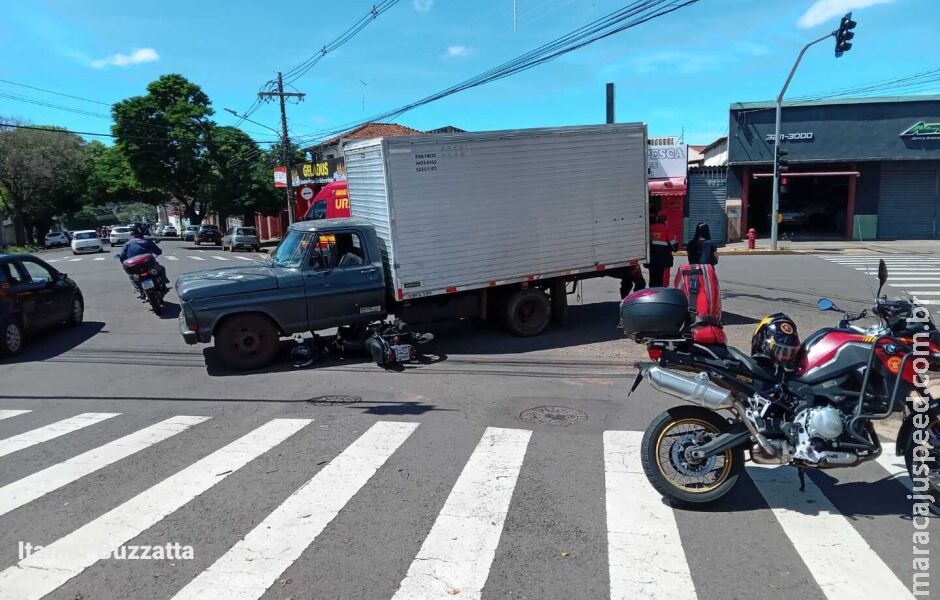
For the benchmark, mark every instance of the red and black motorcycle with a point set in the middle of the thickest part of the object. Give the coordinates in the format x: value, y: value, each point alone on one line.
x: 814, y: 411
x: 147, y: 279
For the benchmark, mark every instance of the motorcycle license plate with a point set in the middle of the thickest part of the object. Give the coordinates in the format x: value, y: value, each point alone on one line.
x: 146, y: 284
x: 403, y: 353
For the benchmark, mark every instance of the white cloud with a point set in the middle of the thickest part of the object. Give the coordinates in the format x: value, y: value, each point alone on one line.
x: 825, y: 10
x: 751, y: 48
x: 677, y: 61
x: 457, y: 52
x: 422, y: 5
x: 136, y: 57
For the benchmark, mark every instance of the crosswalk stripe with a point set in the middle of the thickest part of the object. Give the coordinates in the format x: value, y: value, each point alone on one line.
x: 243, y: 258
x: 197, y: 258
x: 219, y: 257
x: 924, y: 292
x: 637, y: 520
x: 27, y: 489
x: 892, y: 273
x: 255, y: 562
x: 51, y: 431
x: 6, y: 414
x: 915, y: 280
x: 42, y: 572
x: 75, y: 259
x: 813, y: 525
x: 171, y: 258
x: 474, y: 514
x: 52, y: 260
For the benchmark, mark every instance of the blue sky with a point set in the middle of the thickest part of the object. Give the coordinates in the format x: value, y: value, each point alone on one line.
x: 678, y: 73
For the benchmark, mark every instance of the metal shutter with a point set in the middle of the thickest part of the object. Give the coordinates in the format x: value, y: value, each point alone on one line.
x: 908, y: 200
x: 706, y: 199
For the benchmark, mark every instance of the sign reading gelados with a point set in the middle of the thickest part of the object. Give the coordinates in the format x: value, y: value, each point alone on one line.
x: 668, y: 160
x: 803, y: 136
x: 320, y: 172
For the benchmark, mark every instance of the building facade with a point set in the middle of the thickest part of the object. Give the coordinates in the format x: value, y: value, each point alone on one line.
x: 867, y: 167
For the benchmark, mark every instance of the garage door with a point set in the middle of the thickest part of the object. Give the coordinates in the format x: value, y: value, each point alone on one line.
x: 909, y: 199
x: 707, y: 196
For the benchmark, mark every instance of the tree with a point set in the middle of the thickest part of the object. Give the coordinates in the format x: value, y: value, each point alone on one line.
x: 113, y: 181
x: 44, y: 173
x: 165, y: 136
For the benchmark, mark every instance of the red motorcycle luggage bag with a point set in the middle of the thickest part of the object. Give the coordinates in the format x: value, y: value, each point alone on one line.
x: 700, y: 285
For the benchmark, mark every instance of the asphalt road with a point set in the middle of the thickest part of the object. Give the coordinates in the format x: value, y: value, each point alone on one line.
x: 346, y: 481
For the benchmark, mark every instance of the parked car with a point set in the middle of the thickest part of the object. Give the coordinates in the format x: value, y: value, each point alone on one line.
x: 209, y: 234
x: 55, y: 239
x: 189, y: 233
x: 241, y: 238
x: 119, y: 235
x: 34, y: 297
x: 169, y: 231
x: 85, y: 241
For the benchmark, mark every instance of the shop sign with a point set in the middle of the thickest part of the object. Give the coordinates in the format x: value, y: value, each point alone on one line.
x: 803, y: 136
x: 280, y: 177
x: 320, y: 172
x: 922, y: 131
x: 667, y: 161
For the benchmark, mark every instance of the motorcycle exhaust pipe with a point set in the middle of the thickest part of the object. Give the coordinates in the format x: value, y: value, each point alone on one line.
x: 696, y: 389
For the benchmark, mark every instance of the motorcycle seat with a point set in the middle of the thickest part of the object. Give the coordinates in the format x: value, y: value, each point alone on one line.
x: 732, y: 354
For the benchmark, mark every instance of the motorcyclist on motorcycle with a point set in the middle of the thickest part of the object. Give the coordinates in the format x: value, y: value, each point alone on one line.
x: 138, y: 245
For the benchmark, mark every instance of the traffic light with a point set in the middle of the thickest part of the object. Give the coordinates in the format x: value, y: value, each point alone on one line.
x: 782, y: 161
x: 844, y: 35
x: 784, y: 181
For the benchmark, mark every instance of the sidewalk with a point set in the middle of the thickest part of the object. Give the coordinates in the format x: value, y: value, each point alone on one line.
x: 899, y: 247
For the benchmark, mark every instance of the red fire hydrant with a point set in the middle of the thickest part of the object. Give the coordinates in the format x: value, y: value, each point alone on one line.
x: 751, y: 238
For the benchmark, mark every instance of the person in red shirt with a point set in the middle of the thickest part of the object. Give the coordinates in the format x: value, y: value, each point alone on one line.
x: 662, y: 245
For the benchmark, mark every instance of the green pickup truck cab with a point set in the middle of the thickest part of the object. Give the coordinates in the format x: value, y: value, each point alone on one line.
x: 323, y: 274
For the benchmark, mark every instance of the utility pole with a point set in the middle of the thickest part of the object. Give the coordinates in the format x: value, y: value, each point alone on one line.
x: 610, y: 103
x: 285, y: 140
x: 843, y: 34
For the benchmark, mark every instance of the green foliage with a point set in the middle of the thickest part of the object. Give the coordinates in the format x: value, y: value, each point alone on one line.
x: 113, y: 181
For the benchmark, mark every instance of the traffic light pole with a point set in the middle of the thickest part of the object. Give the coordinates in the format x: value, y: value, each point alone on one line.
x: 776, y: 197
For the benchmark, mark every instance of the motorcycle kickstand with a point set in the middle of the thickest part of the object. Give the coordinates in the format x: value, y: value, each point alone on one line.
x: 802, y: 474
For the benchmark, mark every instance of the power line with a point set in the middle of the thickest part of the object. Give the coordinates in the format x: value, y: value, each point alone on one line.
x: 97, y: 134
x: 38, y: 89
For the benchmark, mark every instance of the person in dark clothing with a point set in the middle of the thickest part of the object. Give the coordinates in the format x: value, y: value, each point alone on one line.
x: 632, y: 281
x: 662, y: 245
x: 701, y: 249
x: 138, y: 245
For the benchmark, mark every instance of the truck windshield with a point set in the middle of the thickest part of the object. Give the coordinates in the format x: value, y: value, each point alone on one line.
x: 290, y: 252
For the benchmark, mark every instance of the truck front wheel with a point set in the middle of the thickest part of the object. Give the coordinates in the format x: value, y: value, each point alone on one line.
x: 527, y: 312
x: 247, y: 342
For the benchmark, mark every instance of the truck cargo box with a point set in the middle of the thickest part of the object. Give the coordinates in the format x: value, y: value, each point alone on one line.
x: 463, y: 211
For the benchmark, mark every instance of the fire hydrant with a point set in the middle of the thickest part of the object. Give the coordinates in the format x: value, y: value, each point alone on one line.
x: 751, y: 238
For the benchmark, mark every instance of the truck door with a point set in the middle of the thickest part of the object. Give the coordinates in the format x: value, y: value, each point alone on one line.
x: 343, y: 286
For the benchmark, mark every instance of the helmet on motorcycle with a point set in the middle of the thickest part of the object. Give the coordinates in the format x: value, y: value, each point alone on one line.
x: 776, y: 337
x: 302, y: 355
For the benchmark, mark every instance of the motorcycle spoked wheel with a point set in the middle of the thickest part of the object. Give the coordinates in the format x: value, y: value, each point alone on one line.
x: 933, y: 463
x: 156, y: 302
x: 671, y: 473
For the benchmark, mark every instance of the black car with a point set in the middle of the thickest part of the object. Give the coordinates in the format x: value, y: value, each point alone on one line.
x: 209, y: 234
x: 34, y: 296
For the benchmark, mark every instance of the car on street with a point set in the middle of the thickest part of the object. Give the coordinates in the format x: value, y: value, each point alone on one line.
x: 85, y: 241
x: 189, y: 233
x: 34, y: 297
x: 208, y: 234
x: 168, y: 231
x: 241, y: 238
x: 119, y: 235
x: 55, y: 239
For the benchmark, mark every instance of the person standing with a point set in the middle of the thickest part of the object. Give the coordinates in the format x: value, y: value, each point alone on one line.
x: 662, y: 245
x: 701, y: 249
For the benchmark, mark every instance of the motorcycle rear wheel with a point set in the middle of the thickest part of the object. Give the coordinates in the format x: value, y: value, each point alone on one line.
x: 682, y: 481
x: 156, y: 303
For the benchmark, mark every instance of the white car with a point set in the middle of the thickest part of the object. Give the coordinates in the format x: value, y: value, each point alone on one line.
x: 85, y: 241
x: 56, y: 238
x: 168, y: 231
x: 119, y: 235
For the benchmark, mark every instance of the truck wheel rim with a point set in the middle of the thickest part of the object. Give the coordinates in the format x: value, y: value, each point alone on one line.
x: 692, y: 478
x: 13, y: 337
x: 248, y: 341
x: 528, y: 310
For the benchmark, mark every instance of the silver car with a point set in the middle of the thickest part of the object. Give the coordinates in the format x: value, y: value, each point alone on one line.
x: 244, y: 238
x: 189, y: 233
x: 119, y: 235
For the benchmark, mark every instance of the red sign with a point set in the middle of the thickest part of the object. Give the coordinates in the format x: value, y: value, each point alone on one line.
x: 280, y: 177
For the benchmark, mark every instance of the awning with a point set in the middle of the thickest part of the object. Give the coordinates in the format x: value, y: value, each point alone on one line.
x: 674, y: 186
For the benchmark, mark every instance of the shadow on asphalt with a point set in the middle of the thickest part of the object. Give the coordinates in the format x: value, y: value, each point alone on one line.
x: 53, y: 342
x: 736, y: 319
x: 171, y: 310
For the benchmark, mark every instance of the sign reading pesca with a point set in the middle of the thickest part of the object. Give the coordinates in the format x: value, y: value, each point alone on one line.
x: 803, y: 136
x: 667, y: 161
x: 922, y: 131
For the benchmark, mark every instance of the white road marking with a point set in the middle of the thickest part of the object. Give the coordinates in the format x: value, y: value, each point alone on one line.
x: 243, y: 258
x: 52, y: 260
x: 100, y: 258
x: 255, y: 562
x: 50, y: 432
x: 75, y: 259
x: 915, y: 281
x: 42, y: 572
x: 840, y: 560
x: 27, y: 489
x: 456, y: 556
x: 196, y: 257
x: 637, y: 521
x: 171, y: 258
x: 924, y: 292
x: 7, y: 414
x: 219, y: 257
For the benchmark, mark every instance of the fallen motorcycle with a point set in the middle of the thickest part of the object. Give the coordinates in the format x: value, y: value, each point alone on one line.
x: 389, y: 343
x: 145, y: 276
x: 810, y: 405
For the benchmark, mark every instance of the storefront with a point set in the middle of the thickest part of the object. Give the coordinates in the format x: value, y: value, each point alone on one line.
x: 866, y: 167
x: 310, y: 178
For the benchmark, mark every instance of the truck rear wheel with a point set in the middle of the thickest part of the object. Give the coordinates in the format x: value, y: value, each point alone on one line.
x: 247, y: 342
x: 527, y: 312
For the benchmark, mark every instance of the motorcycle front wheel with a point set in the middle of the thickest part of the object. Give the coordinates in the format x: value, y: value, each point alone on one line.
x: 672, y: 472
x: 925, y: 465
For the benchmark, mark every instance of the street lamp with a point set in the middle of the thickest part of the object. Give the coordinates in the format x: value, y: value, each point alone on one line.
x: 843, y: 34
